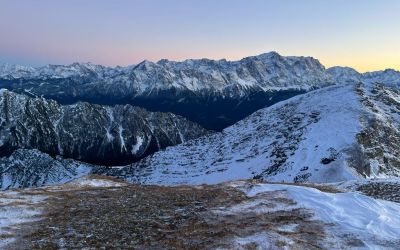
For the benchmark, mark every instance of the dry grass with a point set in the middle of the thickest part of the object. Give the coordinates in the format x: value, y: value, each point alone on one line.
x: 155, y: 217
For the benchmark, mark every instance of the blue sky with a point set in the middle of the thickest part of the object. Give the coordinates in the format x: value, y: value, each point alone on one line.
x: 359, y: 33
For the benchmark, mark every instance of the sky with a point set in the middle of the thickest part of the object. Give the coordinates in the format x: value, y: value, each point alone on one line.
x: 363, y: 34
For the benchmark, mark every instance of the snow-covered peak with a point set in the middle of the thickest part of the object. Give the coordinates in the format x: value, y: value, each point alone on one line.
x: 17, y: 71
x: 389, y: 77
x: 58, y: 71
x: 145, y: 65
x: 344, y: 74
x: 269, y: 55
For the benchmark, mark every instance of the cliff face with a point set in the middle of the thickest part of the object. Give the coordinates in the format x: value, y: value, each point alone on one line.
x: 88, y: 132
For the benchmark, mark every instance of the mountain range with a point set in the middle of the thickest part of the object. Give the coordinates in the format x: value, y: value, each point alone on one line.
x: 294, y: 121
x: 214, y: 94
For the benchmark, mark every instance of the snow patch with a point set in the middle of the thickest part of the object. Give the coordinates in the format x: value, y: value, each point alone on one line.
x: 93, y: 182
x: 136, y: 147
x: 372, y: 220
x: 260, y: 239
x: 110, y: 114
x: 2, y: 91
x: 288, y: 228
x: 121, y: 138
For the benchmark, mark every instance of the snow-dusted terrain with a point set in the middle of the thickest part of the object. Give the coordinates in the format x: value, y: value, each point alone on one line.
x: 17, y: 208
x: 326, y: 135
x: 93, y: 212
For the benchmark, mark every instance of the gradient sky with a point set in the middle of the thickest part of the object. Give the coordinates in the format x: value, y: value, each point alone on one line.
x: 364, y: 34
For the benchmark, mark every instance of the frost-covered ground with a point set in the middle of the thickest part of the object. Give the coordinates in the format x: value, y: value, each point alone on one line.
x: 17, y: 208
x: 96, y: 212
x: 21, y: 208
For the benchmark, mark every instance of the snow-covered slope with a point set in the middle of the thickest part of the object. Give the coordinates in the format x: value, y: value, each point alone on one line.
x: 357, y: 220
x: 88, y: 132
x: 326, y: 135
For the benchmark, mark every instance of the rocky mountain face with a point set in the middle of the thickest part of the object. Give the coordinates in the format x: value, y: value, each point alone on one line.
x: 87, y: 132
x: 334, y: 134
x: 213, y: 93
